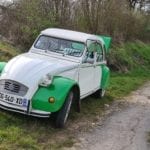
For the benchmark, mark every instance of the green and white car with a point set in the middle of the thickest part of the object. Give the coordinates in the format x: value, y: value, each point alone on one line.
x: 61, y: 68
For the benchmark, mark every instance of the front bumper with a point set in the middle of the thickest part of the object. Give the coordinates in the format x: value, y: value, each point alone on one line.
x: 33, y: 112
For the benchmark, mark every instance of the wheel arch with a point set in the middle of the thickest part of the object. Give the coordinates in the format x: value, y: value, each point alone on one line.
x: 77, y: 102
x: 59, y: 89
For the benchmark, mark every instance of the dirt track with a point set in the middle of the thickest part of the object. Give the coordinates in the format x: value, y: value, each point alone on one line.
x: 125, y: 129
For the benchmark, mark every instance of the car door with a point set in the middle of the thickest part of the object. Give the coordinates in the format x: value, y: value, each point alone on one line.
x: 86, y: 71
x: 99, y: 61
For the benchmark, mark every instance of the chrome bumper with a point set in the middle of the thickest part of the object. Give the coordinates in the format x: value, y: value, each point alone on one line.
x: 35, y: 113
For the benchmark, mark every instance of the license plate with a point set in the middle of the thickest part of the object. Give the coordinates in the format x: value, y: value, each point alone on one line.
x: 13, y: 100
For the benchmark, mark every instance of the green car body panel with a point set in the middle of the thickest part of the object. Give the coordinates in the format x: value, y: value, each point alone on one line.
x: 2, y: 65
x: 107, y: 41
x: 105, y: 77
x: 59, y: 90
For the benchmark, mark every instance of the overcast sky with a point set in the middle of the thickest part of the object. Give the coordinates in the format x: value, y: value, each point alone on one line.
x: 4, y: 1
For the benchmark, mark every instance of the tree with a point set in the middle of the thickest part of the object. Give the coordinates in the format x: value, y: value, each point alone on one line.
x: 24, y: 20
x: 139, y: 4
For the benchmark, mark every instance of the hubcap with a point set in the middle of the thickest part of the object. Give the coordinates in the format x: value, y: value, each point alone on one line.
x: 70, y: 98
x: 103, y: 93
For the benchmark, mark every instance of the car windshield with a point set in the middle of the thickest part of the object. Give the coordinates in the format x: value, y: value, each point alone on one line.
x: 57, y: 45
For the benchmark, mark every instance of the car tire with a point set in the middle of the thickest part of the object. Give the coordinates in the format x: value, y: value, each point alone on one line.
x: 99, y: 93
x: 63, y: 114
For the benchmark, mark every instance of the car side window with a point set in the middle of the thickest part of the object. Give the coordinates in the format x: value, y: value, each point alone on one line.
x: 100, y: 53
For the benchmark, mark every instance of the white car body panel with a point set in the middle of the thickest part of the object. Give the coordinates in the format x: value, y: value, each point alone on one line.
x: 97, y: 73
x: 68, y: 34
x: 29, y: 68
x: 86, y: 77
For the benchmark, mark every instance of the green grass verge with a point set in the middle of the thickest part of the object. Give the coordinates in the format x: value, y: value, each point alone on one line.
x: 123, y: 84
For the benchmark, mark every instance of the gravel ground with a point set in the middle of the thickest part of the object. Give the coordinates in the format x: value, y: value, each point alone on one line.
x: 124, y: 129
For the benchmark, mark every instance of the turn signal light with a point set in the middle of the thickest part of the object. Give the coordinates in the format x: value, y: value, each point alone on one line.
x: 51, y: 100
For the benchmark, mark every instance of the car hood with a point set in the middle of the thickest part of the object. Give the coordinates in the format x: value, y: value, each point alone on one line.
x: 29, y: 68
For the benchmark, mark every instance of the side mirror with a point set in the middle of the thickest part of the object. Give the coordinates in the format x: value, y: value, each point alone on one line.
x: 88, y: 60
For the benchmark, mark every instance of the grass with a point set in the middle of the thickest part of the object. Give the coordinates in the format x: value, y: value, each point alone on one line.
x: 29, y: 133
x: 7, y: 51
x: 22, y: 132
x: 123, y: 84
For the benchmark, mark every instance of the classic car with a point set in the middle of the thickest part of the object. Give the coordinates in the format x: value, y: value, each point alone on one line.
x: 61, y: 68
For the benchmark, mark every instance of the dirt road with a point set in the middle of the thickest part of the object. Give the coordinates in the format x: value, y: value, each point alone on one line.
x: 126, y: 129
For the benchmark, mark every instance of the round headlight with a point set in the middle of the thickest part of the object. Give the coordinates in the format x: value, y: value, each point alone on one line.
x: 46, y: 80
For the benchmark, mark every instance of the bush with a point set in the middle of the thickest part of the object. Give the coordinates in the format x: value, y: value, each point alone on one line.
x: 130, y: 56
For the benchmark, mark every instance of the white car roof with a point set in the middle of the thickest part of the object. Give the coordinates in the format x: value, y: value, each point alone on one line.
x: 70, y: 35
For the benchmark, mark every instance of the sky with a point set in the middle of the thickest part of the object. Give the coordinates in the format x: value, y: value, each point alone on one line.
x: 1, y: 1
x: 4, y: 1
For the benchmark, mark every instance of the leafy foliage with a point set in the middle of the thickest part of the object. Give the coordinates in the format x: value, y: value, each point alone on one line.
x: 7, y: 51
x: 129, y: 56
x: 22, y: 21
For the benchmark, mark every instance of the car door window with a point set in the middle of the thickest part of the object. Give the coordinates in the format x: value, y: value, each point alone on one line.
x: 98, y: 66
x: 91, y: 49
x: 100, y: 53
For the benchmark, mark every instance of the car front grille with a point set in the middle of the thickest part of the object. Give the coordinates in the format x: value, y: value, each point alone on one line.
x: 13, y: 87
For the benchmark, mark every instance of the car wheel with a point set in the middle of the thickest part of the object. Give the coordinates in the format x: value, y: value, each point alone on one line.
x: 99, y: 93
x: 63, y: 114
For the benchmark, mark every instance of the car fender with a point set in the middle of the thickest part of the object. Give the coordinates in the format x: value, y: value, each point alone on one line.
x: 105, y: 77
x: 59, y: 90
x: 2, y: 65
